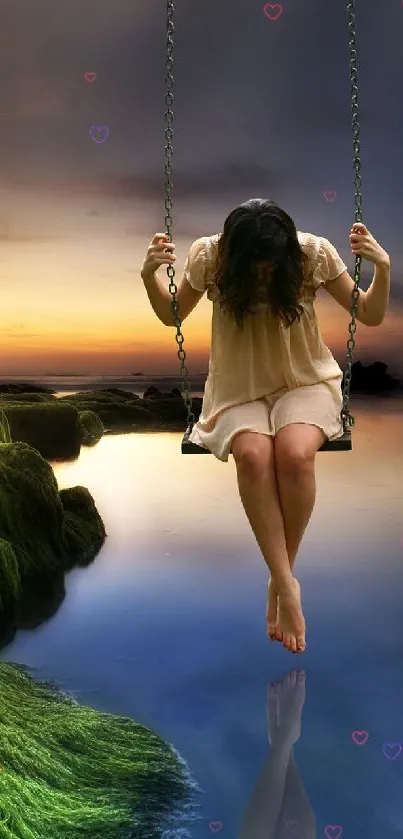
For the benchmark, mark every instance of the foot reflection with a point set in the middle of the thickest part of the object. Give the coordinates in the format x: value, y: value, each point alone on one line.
x: 279, y: 807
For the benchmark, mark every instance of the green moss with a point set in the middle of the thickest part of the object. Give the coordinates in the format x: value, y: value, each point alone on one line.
x: 10, y: 578
x: 31, y: 512
x: 42, y: 532
x: 5, y: 434
x: 118, y: 411
x: 51, y: 428
x: 91, y: 426
x: 84, y: 529
x: 27, y: 397
x: 72, y: 772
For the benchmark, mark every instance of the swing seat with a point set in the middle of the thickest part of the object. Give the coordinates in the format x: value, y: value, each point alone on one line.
x: 342, y: 444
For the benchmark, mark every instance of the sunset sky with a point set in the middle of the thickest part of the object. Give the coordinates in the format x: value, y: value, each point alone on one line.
x: 262, y: 109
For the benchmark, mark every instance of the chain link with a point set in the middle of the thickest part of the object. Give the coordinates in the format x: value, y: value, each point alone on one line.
x: 169, y: 115
x: 346, y: 416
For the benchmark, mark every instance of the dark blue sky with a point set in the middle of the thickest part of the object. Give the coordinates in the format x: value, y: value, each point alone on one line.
x: 261, y: 108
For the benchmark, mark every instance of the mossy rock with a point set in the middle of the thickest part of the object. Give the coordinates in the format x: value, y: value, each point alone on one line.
x: 31, y: 398
x: 25, y: 387
x: 125, y: 395
x: 128, y: 418
x: 122, y: 411
x: 84, y: 530
x: 106, y: 396
x: 170, y: 409
x: 72, y: 772
x: 31, y: 512
x: 117, y: 412
x: 5, y: 434
x: 10, y: 579
x: 92, y: 428
x: 52, y: 428
x: 47, y: 532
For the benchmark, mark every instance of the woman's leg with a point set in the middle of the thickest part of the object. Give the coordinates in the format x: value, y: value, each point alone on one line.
x: 279, y: 802
x: 254, y: 458
x: 295, y: 447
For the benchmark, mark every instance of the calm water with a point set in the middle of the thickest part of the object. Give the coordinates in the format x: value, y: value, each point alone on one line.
x: 167, y: 626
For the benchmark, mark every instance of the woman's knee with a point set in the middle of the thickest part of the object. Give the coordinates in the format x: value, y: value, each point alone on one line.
x: 252, y: 451
x: 295, y: 447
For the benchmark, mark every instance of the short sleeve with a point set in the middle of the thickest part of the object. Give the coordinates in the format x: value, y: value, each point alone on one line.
x: 329, y: 264
x: 195, y: 269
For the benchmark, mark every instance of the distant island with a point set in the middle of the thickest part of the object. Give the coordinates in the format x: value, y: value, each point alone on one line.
x: 67, y: 375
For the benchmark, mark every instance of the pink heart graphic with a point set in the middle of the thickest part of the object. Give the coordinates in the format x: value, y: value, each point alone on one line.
x: 330, y: 195
x: 273, y: 10
x: 360, y: 737
x: 90, y: 77
x: 215, y: 827
x: 333, y: 831
x: 391, y: 750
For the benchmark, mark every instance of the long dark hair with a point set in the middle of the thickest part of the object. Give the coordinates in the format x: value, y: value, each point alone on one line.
x: 260, y: 231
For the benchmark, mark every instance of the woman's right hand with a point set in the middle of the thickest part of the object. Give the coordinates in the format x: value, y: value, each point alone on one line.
x: 160, y: 252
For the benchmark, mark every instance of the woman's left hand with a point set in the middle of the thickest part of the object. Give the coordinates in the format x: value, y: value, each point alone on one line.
x: 363, y: 244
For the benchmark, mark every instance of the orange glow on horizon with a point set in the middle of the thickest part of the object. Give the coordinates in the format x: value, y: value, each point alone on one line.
x: 129, y: 344
x: 73, y: 299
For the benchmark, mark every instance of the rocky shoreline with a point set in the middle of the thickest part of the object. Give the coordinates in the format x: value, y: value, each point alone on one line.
x: 58, y: 426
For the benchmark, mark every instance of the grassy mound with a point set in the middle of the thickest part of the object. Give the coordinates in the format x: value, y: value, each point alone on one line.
x: 71, y: 772
x: 42, y: 531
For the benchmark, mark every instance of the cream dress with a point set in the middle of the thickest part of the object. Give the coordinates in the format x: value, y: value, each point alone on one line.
x: 267, y: 375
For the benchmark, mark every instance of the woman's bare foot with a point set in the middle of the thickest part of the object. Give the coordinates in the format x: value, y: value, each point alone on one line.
x: 273, y: 625
x: 285, y: 701
x: 291, y: 618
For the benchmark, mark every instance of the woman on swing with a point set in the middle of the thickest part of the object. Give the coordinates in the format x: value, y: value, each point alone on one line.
x: 273, y: 391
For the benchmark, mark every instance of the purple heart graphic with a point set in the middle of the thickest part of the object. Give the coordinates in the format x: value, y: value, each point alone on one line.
x: 333, y: 831
x: 330, y: 195
x: 360, y: 737
x: 391, y: 750
x: 215, y: 827
x: 99, y: 133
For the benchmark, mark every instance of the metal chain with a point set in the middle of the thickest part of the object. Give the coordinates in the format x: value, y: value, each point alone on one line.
x: 347, y: 418
x: 169, y: 99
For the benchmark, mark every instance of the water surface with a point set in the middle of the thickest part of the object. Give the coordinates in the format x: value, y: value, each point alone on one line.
x: 167, y: 625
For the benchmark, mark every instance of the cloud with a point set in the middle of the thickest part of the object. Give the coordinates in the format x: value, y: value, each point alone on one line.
x: 20, y: 335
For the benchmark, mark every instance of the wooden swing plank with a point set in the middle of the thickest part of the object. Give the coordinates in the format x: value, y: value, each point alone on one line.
x: 342, y: 444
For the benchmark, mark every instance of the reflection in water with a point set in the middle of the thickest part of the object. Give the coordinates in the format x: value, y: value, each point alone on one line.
x: 279, y: 807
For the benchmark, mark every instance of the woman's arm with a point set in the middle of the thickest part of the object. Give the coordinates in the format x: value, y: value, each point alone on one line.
x: 160, y: 252
x: 377, y: 296
x: 159, y: 297
x: 372, y: 304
